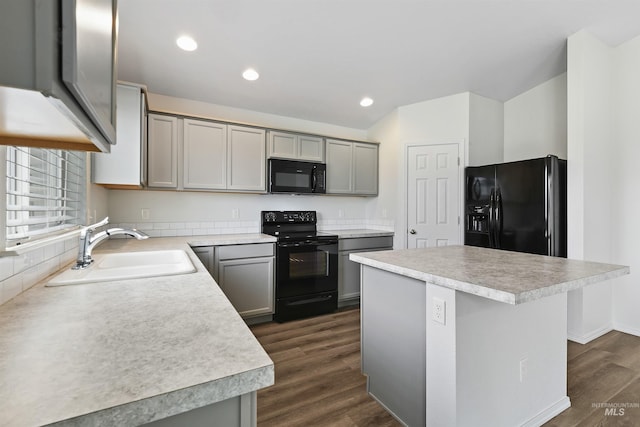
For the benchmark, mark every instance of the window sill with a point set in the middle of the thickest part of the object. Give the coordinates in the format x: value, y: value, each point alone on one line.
x: 46, y: 241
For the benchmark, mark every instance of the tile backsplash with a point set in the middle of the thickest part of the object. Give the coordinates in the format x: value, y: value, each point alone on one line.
x: 173, y: 229
x: 19, y: 273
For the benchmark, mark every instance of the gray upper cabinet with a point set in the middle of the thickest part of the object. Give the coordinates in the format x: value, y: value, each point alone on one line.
x: 193, y: 154
x: 162, y: 151
x: 126, y: 165
x: 56, y: 92
x: 352, y: 168
x: 339, y: 167
x: 246, y: 159
x: 205, y: 155
x: 365, y: 169
x: 285, y: 145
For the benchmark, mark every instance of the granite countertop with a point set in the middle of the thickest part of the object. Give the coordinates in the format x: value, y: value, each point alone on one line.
x: 125, y: 352
x: 359, y: 232
x: 510, y: 277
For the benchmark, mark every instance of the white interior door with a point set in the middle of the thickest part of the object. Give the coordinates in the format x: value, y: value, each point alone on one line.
x: 433, y: 195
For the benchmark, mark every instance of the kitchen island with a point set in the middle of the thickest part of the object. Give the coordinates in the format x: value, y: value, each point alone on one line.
x: 167, y: 350
x: 466, y: 336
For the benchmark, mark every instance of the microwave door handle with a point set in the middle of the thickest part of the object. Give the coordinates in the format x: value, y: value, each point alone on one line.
x: 314, y: 180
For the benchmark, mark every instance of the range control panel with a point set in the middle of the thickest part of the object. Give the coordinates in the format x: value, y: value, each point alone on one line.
x: 285, y: 217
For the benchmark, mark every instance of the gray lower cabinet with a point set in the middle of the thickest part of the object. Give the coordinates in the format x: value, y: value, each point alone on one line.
x: 349, y: 271
x: 205, y: 253
x: 240, y: 411
x: 245, y: 273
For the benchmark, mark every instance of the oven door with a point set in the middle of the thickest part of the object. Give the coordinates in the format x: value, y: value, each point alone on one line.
x: 306, y: 268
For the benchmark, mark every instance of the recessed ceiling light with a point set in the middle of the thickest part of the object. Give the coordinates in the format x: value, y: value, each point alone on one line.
x: 250, y: 74
x: 366, y: 101
x: 186, y: 43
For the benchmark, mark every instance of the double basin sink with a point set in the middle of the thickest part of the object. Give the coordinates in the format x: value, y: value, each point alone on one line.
x: 128, y: 265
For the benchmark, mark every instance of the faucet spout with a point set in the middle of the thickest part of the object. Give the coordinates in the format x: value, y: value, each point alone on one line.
x: 88, y: 241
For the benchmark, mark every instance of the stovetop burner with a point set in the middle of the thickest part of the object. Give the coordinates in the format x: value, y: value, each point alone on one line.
x: 293, y: 226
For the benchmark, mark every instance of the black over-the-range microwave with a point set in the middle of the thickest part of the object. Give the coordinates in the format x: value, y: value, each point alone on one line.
x: 293, y: 176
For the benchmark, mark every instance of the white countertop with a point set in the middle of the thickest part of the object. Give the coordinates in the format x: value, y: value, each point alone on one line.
x: 510, y: 277
x: 126, y: 352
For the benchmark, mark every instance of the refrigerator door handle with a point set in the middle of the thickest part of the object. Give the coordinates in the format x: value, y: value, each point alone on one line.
x: 492, y: 206
x: 498, y: 218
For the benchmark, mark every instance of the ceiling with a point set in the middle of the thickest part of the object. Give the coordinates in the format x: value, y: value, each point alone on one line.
x: 318, y: 58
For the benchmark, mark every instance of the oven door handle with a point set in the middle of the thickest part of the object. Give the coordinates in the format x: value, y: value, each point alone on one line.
x: 311, y: 300
x: 298, y: 244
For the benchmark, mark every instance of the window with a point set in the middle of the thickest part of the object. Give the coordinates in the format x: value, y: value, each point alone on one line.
x: 45, y: 192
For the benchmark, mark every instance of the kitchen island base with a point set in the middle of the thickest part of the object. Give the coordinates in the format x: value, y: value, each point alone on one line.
x: 490, y: 363
x: 239, y: 411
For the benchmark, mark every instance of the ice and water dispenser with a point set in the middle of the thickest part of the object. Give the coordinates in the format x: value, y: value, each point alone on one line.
x: 478, y: 218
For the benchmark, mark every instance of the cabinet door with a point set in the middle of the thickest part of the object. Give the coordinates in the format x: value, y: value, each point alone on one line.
x: 246, y: 159
x: 349, y: 278
x: 339, y: 167
x: 163, y: 151
x: 123, y: 166
x: 311, y: 148
x: 365, y: 169
x: 205, y: 155
x: 205, y: 254
x: 248, y: 283
x: 283, y: 145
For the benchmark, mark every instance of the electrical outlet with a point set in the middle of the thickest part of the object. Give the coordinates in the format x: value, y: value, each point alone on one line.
x: 145, y: 213
x: 439, y: 310
x: 235, y: 213
x: 524, y: 369
x: 340, y: 213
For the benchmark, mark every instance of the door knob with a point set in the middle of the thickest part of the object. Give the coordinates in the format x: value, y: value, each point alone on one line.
x: 412, y: 231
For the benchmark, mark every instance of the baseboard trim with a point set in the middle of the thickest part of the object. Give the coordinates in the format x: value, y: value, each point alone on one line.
x: 548, y: 413
x: 385, y: 406
x: 626, y: 329
x: 585, y: 338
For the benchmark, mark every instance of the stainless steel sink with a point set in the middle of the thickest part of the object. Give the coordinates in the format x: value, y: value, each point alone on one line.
x: 128, y: 265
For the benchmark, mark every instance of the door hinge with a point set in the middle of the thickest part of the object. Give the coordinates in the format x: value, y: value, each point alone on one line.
x: 458, y: 220
x: 458, y: 161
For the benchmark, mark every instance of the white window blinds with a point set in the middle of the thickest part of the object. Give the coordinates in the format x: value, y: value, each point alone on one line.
x: 45, y: 192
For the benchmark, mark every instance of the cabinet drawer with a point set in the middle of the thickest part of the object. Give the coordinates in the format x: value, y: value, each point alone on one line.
x: 244, y: 251
x: 365, y: 243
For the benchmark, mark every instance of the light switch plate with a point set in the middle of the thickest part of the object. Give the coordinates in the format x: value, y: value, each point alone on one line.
x: 439, y: 310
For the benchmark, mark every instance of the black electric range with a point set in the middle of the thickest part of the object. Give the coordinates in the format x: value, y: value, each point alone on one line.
x: 306, y: 264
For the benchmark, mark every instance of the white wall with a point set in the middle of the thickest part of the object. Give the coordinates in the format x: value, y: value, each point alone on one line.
x: 385, y: 206
x: 535, y: 122
x: 486, y: 131
x: 201, y: 109
x: 439, y: 120
x: 624, y: 184
x: 590, y: 184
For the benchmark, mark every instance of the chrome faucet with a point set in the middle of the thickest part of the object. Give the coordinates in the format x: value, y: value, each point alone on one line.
x: 88, y: 241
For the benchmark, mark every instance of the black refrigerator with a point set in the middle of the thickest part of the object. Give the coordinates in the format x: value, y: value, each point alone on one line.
x: 518, y: 206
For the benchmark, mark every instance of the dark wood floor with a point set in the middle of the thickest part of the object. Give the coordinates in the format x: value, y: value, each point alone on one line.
x: 318, y: 379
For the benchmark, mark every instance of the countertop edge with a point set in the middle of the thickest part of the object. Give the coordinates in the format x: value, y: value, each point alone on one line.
x: 486, y: 292
x: 178, y: 401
